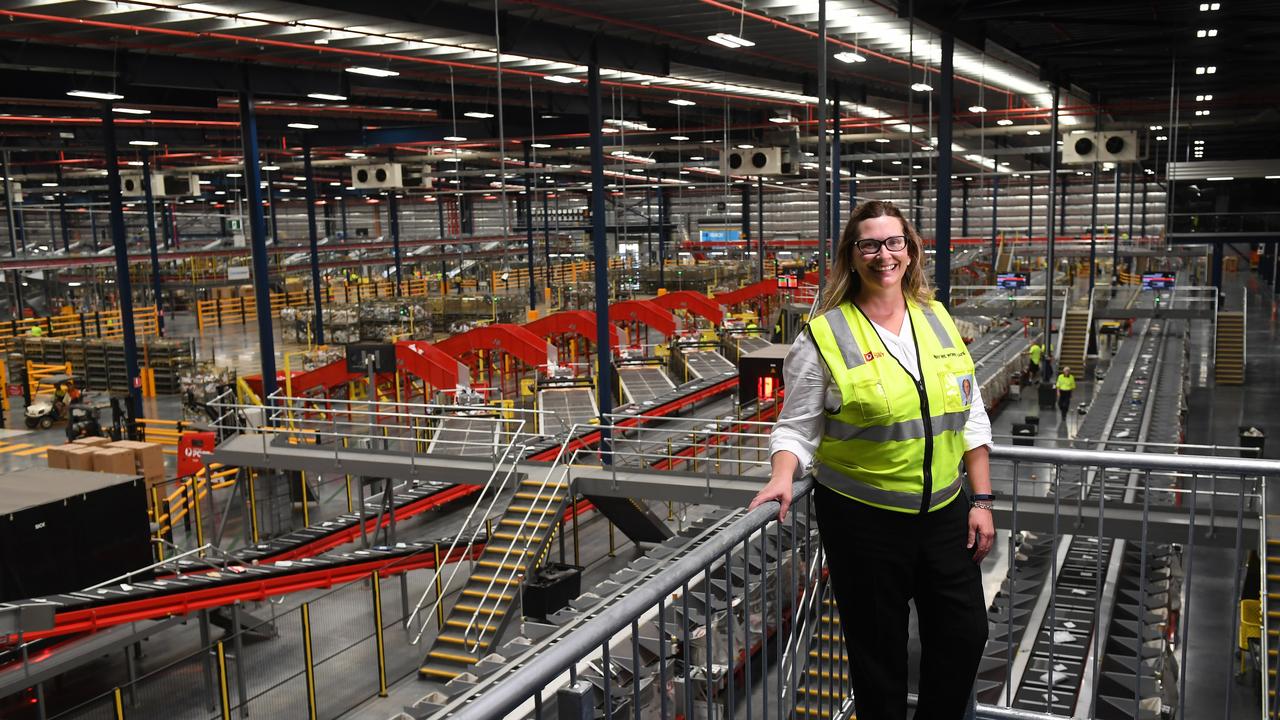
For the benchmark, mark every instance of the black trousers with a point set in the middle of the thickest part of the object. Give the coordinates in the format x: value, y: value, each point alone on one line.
x: 1064, y: 401
x: 880, y: 559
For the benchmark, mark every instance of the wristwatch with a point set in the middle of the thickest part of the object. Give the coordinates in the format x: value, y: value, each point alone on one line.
x: 982, y: 501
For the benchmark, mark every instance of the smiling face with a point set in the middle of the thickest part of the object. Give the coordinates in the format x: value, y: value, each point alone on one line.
x: 881, y: 272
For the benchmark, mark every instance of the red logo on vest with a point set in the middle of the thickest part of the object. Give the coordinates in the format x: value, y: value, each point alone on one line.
x: 868, y: 356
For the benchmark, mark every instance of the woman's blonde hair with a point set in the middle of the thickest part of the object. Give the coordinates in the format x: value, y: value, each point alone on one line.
x: 843, y: 283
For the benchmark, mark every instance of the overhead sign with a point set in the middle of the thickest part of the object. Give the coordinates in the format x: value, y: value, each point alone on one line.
x: 238, y: 272
x: 720, y: 235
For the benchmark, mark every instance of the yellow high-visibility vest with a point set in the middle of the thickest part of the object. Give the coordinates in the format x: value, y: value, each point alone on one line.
x: 1066, y: 382
x: 895, y: 443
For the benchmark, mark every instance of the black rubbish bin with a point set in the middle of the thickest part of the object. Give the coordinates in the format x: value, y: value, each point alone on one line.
x: 1048, y: 396
x: 1252, y: 436
x: 1031, y: 419
x: 1024, y: 434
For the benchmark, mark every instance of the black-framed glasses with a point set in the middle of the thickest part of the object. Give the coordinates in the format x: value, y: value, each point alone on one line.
x: 871, y: 246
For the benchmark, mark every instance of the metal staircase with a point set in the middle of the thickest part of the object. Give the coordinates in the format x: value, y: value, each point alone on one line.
x: 1228, y: 349
x: 1075, y: 340
x: 825, y: 683
x: 517, y: 545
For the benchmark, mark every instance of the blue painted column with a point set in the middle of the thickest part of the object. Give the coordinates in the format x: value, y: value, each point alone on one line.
x: 258, y: 243
x: 342, y: 207
x: 853, y: 195
x: 156, y: 285
x: 835, y: 171
x: 271, y: 205
x: 546, y: 233
x: 664, y: 211
x: 393, y: 213
x: 124, y: 288
x: 964, y: 208
x: 1049, y: 224
x: 1115, y: 237
x: 600, y: 248
x: 313, y: 242
x: 760, y: 222
x: 995, y: 222
x: 528, y: 226
x: 63, y: 222
x: 1093, y: 231
x: 746, y: 223
x: 942, y: 214
x: 93, y: 229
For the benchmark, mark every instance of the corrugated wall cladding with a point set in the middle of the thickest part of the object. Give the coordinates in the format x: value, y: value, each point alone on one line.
x: 788, y: 213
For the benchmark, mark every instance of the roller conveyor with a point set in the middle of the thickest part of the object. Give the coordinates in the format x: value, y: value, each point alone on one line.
x: 464, y: 436
x: 642, y: 384
x: 569, y: 406
x: 704, y: 364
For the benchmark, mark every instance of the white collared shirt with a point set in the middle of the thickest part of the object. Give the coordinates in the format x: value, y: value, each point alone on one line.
x: 810, y: 395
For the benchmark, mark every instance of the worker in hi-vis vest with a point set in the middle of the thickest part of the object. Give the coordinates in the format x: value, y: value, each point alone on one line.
x: 1034, y: 352
x: 1065, y: 384
x: 882, y: 394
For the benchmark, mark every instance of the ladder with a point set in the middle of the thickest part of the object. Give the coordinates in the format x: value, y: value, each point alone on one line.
x: 1228, y: 349
x: 516, y: 546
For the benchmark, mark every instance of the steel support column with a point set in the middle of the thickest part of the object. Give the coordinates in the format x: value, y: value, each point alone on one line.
x: 664, y: 210
x: 1133, y: 190
x: 823, y: 218
x: 760, y: 222
x: 393, y: 214
x: 546, y: 234
x: 258, y: 243
x: 964, y: 208
x: 271, y: 205
x: 151, y: 238
x: 1115, y: 235
x: 995, y: 223
x: 11, y: 211
x: 124, y: 288
x: 746, y: 221
x: 1049, y: 225
x: 834, y: 228
x: 1093, y: 231
x: 1031, y: 207
x: 63, y: 220
x: 1062, y: 211
x: 313, y: 242
x: 942, y: 214
x: 600, y: 248
x: 528, y: 227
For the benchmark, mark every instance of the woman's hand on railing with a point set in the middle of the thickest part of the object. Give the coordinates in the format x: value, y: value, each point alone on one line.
x: 779, y: 489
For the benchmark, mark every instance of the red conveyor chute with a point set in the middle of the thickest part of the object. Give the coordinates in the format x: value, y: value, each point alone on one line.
x: 427, y: 362
x: 646, y: 312
x: 763, y: 289
x: 514, y: 340
x: 570, y: 322
x: 692, y: 301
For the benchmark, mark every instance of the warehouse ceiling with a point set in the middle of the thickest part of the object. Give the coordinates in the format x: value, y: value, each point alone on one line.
x: 430, y: 72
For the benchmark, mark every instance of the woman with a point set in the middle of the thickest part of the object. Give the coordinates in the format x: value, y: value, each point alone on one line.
x: 875, y: 392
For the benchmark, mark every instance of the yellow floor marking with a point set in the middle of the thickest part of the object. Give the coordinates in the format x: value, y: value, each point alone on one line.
x: 15, y: 446
x: 34, y: 451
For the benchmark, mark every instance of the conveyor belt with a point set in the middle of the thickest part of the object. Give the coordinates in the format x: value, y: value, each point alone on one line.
x: 262, y: 564
x: 569, y: 407
x: 642, y: 384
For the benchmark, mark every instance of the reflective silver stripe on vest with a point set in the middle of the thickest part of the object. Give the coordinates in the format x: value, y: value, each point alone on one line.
x: 859, y: 490
x: 905, y: 430
x: 844, y: 338
x: 944, y: 337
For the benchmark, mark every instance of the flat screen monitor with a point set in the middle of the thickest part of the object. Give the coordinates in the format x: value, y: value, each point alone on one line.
x: 1012, y: 280
x: 1158, y: 281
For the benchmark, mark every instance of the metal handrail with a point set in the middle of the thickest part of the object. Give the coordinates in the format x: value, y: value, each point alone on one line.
x: 524, y: 681
x: 511, y: 687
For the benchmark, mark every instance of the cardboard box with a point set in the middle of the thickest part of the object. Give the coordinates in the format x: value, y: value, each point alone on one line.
x: 58, y: 456
x: 92, y: 440
x: 148, y: 457
x: 80, y: 457
x: 114, y: 460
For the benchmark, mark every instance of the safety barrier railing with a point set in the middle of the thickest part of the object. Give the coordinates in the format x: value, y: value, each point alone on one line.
x: 220, y: 312
x: 104, y: 324
x: 518, y: 277
x: 1086, y: 569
